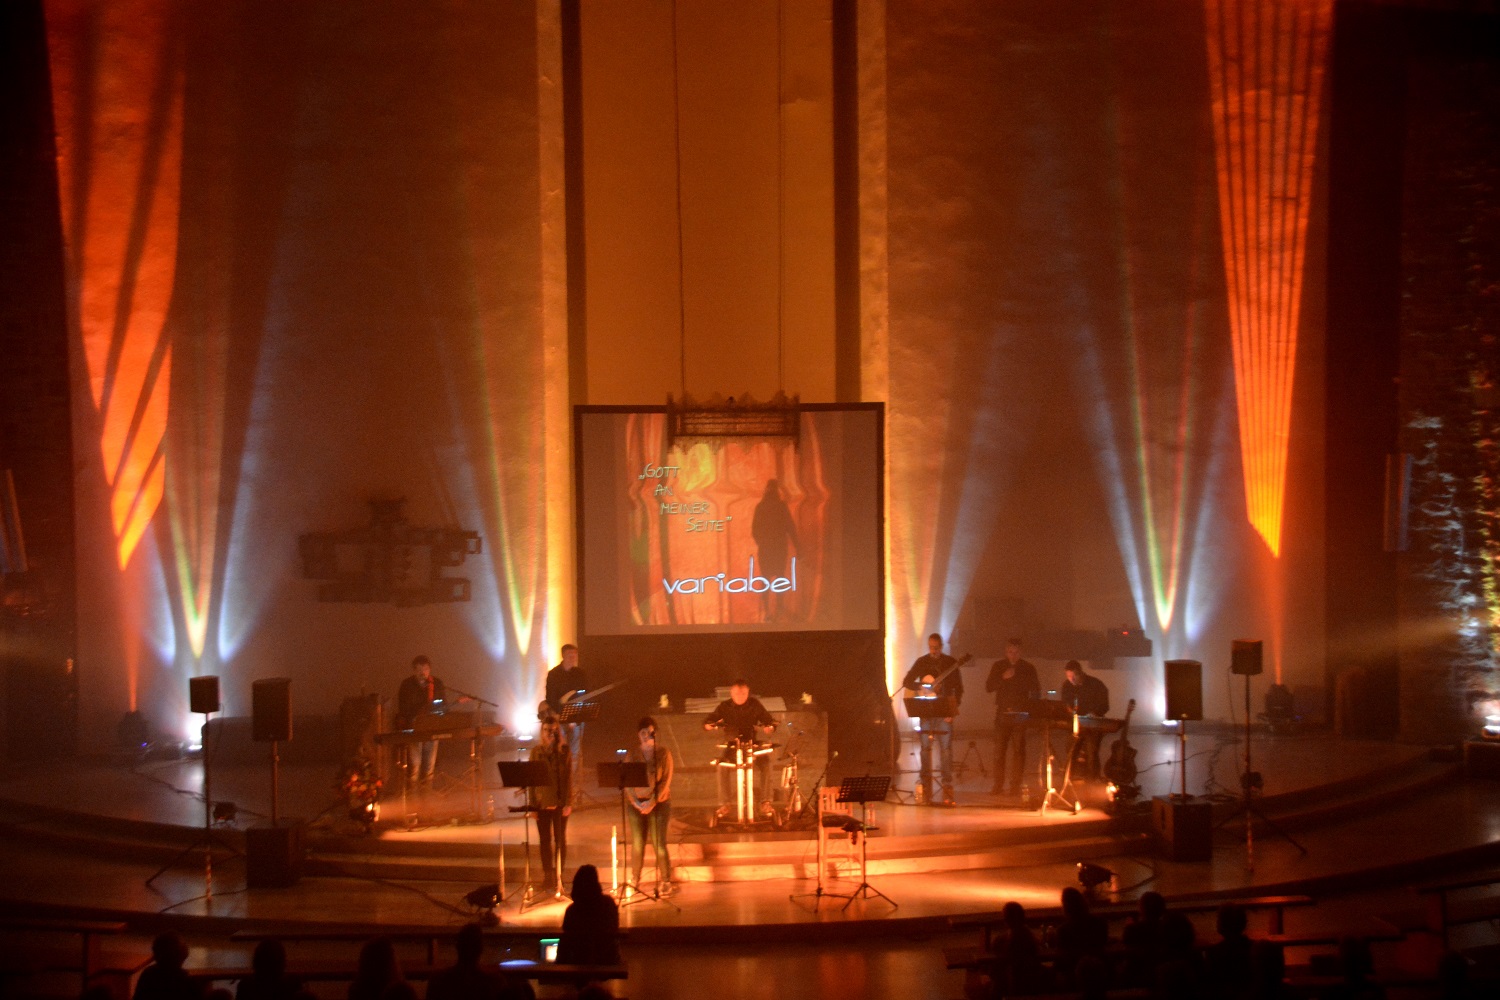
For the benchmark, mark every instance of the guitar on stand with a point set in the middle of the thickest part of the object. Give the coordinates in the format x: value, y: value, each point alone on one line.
x: 1120, y: 769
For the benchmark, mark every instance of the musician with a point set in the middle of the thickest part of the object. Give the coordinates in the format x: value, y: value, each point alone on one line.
x: 554, y: 800
x: 921, y: 679
x: 651, y: 806
x: 742, y: 718
x: 1087, y: 696
x: 420, y: 694
x: 1015, y: 686
x: 563, y: 681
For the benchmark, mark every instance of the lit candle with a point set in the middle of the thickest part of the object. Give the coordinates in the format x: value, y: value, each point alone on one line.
x: 614, y: 856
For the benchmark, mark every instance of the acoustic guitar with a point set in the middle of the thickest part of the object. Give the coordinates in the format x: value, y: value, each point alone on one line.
x: 1120, y: 768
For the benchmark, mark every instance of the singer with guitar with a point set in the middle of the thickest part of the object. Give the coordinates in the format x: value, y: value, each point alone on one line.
x: 936, y: 674
x: 563, y: 682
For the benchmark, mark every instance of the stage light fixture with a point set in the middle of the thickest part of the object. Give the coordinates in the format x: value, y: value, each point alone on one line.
x: 1091, y: 876
x: 225, y: 812
x: 1491, y: 730
x: 484, y: 899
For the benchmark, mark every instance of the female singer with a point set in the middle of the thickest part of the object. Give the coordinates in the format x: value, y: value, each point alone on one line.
x: 553, y: 801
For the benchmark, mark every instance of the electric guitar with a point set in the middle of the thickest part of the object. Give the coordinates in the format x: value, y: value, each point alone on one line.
x: 1120, y: 768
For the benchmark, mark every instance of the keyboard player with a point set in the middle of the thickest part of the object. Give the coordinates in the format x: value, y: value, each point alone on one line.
x: 1086, y: 696
x: 420, y: 694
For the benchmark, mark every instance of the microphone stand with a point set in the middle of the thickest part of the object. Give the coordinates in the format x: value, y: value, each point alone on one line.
x: 473, y: 773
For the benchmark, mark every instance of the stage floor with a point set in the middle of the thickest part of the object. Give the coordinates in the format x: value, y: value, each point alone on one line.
x: 1362, y: 809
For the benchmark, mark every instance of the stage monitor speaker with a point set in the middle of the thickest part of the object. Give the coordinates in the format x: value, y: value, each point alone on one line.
x: 1245, y: 657
x: 1184, y: 689
x: 271, y: 710
x: 1183, y: 828
x: 203, y: 694
x: 273, y: 856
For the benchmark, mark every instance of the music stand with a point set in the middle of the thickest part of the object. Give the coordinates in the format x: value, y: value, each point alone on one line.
x: 922, y: 708
x: 576, y: 713
x: 864, y: 790
x: 526, y: 775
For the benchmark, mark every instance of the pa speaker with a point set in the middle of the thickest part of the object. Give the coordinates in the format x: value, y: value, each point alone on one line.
x: 1183, y: 827
x: 203, y: 694
x: 271, y: 710
x: 1244, y: 657
x: 1184, y: 689
x: 273, y: 856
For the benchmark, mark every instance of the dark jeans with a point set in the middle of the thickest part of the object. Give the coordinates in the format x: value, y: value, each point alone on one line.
x: 655, y: 822
x: 552, y: 828
x: 1010, y: 748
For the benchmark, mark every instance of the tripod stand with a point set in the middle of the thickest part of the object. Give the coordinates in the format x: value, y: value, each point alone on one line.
x: 1251, y: 782
x: 527, y: 775
x: 818, y: 835
x: 207, y: 840
x: 864, y: 790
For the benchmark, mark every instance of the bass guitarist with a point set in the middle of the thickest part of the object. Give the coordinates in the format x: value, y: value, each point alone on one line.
x: 935, y: 674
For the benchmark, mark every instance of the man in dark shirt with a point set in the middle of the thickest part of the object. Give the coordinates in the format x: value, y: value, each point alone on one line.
x: 564, y: 680
x: 742, y: 718
x: 1087, y: 696
x: 420, y: 694
x: 1014, y: 684
x: 922, y: 679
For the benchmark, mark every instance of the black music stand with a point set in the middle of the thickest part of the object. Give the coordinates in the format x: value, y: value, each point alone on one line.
x: 526, y: 775
x: 922, y: 708
x: 620, y: 775
x: 864, y: 790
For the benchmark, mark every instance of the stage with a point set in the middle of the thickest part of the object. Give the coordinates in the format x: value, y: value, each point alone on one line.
x: 1361, y: 809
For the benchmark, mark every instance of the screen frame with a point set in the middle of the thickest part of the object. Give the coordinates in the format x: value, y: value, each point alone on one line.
x: 581, y: 411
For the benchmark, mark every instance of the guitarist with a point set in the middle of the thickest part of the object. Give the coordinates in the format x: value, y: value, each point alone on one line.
x: 563, y: 682
x: 927, y: 676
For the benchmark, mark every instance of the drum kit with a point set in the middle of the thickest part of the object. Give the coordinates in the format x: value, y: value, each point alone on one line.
x: 755, y: 807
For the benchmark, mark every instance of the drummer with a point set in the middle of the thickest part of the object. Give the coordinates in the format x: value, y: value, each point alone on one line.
x: 742, y: 718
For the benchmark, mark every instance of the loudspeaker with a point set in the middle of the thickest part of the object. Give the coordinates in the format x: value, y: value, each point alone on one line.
x: 203, y: 694
x: 1183, y: 828
x: 41, y: 709
x: 1184, y: 689
x: 273, y: 856
x: 1244, y: 657
x: 271, y: 710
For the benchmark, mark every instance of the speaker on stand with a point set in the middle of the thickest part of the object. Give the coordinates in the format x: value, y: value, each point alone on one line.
x: 1182, y: 821
x: 203, y: 699
x: 274, y: 853
x: 1245, y: 660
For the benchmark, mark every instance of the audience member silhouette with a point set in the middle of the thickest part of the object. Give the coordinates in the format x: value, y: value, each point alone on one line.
x: 1081, y: 934
x: 591, y: 924
x: 268, y: 979
x: 164, y: 978
x: 1229, y: 960
x: 1269, y: 971
x: 1179, y: 971
x: 466, y: 979
x: 1358, y: 966
x: 1018, y: 956
x: 1142, y: 941
x: 376, y: 971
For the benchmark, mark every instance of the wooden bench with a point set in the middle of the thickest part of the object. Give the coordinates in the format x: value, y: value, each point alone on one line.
x: 338, y: 970
x: 987, y: 923
x: 430, y: 937
x: 1443, y: 913
x: 88, y: 933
